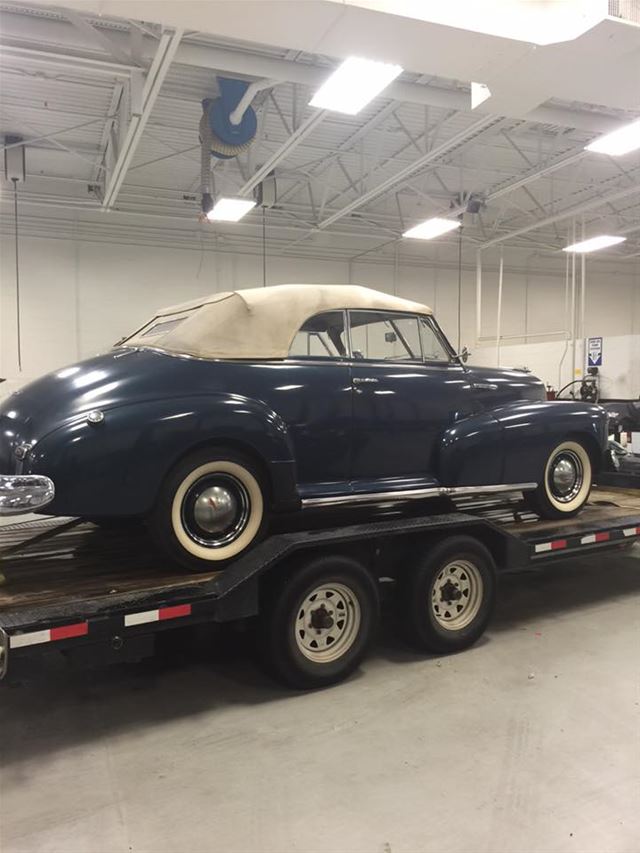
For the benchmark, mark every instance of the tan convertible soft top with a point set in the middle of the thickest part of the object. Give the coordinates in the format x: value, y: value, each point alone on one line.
x: 256, y: 323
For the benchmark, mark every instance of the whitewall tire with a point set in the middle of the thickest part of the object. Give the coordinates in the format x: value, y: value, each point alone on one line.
x: 566, y: 482
x: 210, y: 509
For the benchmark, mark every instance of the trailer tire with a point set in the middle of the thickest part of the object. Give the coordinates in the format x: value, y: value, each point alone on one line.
x: 447, y: 598
x: 317, y: 622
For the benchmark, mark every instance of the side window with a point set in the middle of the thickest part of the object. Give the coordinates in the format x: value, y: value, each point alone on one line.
x: 321, y: 336
x: 432, y: 347
x: 385, y: 337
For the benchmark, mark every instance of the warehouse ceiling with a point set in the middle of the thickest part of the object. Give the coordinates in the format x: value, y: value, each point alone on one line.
x: 348, y: 186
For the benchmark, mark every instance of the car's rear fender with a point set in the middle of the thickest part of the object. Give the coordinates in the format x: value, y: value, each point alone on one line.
x: 116, y: 467
x: 510, y: 444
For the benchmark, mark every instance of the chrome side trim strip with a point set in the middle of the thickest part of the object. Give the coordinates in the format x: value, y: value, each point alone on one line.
x: 416, y: 494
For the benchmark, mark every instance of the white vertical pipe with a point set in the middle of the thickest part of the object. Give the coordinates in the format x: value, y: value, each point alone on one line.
x: 478, y: 295
x: 499, y: 320
x: 583, y: 271
x: 573, y: 305
x: 566, y: 318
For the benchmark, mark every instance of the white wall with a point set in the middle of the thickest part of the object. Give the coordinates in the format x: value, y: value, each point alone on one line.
x: 77, y: 298
x: 552, y: 361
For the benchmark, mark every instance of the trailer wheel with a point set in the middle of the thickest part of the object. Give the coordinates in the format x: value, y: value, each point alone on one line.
x: 317, y: 621
x: 446, y: 600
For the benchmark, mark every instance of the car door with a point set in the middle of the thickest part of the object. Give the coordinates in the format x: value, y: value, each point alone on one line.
x: 407, y: 389
x: 311, y: 391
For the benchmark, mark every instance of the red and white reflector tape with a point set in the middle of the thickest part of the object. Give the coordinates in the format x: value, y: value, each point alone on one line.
x: 159, y: 615
x: 49, y: 635
x: 557, y: 545
x: 595, y: 537
x: 589, y: 539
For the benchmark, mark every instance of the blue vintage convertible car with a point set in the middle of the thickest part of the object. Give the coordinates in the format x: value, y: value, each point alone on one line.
x: 218, y: 413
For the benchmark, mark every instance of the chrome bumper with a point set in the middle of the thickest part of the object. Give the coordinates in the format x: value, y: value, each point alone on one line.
x: 21, y: 493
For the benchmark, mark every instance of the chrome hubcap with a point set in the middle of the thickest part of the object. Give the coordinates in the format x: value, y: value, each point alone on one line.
x: 215, y: 510
x: 327, y: 622
x: 566, y: 476
x: 456, y: 595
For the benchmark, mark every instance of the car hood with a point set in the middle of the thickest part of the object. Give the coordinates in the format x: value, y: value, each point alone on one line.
x: 499, y: 385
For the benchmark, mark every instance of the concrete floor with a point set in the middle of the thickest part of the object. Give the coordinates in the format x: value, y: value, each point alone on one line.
x: 527, y: 743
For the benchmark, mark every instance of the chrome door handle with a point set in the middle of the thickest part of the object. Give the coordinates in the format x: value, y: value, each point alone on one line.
x: 364, y: 380
x: 484, y: 386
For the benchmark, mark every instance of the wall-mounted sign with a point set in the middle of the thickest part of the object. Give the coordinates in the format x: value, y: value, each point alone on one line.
x: 594, y: 352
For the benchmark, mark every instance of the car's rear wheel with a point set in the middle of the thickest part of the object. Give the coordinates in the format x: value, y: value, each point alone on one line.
x: 210, y: 509
x: 566, y: 482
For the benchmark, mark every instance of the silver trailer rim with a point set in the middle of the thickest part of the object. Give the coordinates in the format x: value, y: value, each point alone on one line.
x: 456, y: 595
x: 327, y: 622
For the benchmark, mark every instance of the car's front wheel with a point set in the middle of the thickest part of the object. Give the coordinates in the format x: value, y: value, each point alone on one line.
x: 565, y: 484
x: 210, y: 509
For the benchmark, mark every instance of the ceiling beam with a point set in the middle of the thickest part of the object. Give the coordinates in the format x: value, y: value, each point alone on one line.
x: 285, y: 149
x: 446, y: 147
x: 96, y: 35
x: 566, y: 214
x: 246, y: 64
x: 65, y: 60
x: 321, y: 166
x: 153, y: 83
x: 285, y: 70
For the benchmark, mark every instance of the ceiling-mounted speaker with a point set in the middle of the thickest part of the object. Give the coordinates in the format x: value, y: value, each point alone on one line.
x: 266, y: 194
x: 14, y: 159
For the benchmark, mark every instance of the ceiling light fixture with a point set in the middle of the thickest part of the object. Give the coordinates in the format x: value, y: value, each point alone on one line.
x: 432, y: 228
x: 353, y: 84
x: 594, y: 243
x: 230, y: 209
x: 618, y: 142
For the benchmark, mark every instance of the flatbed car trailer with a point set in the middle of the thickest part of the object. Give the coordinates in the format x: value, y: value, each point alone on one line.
x: 105, y: 596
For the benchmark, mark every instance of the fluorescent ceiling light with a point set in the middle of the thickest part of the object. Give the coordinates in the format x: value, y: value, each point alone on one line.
x: 619, y: 141
x: 230, y: 209
x: 595, y: 243
x: 353, y: 84
x: 432, y: 228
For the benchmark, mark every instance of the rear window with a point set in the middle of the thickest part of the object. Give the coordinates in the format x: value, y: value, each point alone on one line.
x: 162, y: 327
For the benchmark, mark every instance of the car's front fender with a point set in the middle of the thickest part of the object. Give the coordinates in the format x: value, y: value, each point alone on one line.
x: 115, y: 467
x: 510, y: 444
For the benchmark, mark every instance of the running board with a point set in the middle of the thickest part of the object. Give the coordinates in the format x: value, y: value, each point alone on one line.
x: 416, y: 494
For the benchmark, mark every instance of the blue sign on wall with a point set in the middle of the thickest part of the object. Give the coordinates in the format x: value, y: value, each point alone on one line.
x: 594, y: 352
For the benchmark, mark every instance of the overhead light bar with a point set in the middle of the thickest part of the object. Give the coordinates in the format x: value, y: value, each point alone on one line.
x: 595, y: 243
x: 618, y: 142
x: 431, y: 228
x: 353, y: 84
x: 230, y: 209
